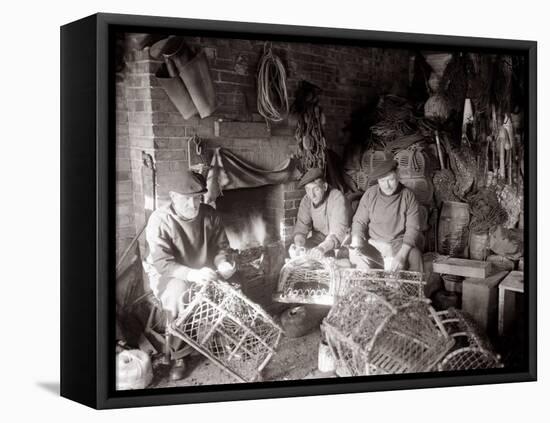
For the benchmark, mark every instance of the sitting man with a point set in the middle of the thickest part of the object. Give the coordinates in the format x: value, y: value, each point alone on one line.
x: 386, y: 224
x: 186, y: 243
x: 324, y: 211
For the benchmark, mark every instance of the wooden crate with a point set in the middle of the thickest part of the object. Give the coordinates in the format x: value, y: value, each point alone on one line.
x: 463, y: 267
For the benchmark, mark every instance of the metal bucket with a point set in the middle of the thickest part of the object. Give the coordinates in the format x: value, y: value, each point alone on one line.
x: 176, y: 92
x: 196, y: 76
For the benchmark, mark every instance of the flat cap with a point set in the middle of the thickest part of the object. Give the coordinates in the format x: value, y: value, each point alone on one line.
x: 310, y: 176
x: 383, y: 168
x: 188, y: 184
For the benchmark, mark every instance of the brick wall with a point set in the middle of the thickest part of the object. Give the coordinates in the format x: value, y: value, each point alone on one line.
x: 147, y: 121
x: 125, y: 228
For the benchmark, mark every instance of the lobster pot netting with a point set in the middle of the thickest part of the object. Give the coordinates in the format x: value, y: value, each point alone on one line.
x: 471, y: 350
x: 404, y: 282
x: 377, y: 330
x: 229, y: 329
x: 306, y: 281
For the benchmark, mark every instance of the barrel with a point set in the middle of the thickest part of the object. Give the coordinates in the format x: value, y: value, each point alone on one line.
x: 479, y: 245
x: 452, y: 231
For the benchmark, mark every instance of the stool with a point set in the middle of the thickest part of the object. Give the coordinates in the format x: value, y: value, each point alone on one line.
x: 158, y: 330
x: 507, y: 291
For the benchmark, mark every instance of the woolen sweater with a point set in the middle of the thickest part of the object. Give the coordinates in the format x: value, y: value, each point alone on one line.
x: 387, y: 217
x: 177, y: 245
x: 330, y: 217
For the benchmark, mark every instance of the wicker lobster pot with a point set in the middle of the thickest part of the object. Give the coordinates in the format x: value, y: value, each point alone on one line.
x: 471, y: 351
x: 229, y: 329
x: 377, y: 330
x: 305, y: 281
x: 404, y: 282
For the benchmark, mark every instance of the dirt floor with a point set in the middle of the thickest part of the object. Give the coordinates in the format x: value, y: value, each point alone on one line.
x: 296, y: 358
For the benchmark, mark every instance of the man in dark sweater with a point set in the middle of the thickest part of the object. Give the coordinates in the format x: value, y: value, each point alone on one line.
x: 186, y: 243
x: 386, y: 229
x: 324, y: 212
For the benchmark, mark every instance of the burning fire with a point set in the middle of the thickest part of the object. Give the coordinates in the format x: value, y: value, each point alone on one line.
x: 252, y: 234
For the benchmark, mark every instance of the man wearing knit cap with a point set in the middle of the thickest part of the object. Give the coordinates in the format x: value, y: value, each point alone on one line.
x: 324, y: 212
x: 386, y: 224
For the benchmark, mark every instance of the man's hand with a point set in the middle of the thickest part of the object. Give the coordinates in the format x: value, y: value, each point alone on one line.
x: 202, y: 276
x: 316, y: 253
x: 299, y: 241
x: 171, y: 296
x: 400, y: 259
x: 226, y: 269
x: 295, y: 251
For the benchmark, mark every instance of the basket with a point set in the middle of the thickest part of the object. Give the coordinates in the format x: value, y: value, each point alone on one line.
x: 381, y: 331
x: 229, y: 329
x: 405, y: 282
x: 412, y: 163
x: 305, y: 281
x: 471, y: 351
x: 422, y: 188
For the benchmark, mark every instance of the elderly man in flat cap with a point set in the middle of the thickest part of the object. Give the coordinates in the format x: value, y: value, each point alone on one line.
x: 386, y: 224
x: 187, y: 244
x: 324, y: 212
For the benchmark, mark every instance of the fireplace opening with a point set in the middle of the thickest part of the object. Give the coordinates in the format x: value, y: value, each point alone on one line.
x: 258, y: 222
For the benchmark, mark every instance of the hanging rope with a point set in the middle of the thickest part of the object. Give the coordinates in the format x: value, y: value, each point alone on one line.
x: 272, y: 93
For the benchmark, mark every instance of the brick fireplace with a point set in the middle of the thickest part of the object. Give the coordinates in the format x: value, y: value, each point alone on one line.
x: 149, y: 125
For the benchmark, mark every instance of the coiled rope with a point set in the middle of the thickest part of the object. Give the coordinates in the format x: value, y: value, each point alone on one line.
x: 272, y: 98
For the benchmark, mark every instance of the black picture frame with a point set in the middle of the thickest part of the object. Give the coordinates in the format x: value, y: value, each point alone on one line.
x: 87, y: 214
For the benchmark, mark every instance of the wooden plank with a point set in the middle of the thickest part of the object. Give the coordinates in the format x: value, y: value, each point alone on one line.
x: 463, y: 267
x: 241, y: 129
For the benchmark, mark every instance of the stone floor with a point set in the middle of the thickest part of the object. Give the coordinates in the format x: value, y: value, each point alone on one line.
x: 296, y: 358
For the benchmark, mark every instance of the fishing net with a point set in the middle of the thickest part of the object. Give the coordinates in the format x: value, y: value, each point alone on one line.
x: 486, y: 212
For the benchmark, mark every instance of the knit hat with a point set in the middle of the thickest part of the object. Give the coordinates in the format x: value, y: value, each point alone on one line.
x: 188, y: 184
x: 310, y: 176
x: 383, y: 168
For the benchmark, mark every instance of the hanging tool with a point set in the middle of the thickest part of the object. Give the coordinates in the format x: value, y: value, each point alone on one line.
x: 439, y: 152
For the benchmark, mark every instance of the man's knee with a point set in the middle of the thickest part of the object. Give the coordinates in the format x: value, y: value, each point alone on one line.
x: 173, y: 295
x: 415, y: 262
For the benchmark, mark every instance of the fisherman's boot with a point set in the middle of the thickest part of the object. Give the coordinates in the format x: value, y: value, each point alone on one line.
x: 178, y: 370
